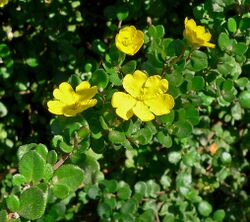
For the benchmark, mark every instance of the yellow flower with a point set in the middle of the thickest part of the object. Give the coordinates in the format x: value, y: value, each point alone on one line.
x: 3, y: 3
x: 146, y: 97
x: 129, y: 40
x: 197, y: 35
x: 69, y: 102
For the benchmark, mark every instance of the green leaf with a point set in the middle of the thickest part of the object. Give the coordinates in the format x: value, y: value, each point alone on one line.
x: 100, y: 78
x: 13, y: 203
x: 239, y: 48
x: 104, y: 209
x: 93, y: 191
x: 32, y: 166
x: 52, y: 157
x: 48, y: 172
x: 231, y: 25
x: 174, y: 157
x: 24, y: 149
x: 141, y: 187
x: 198, y: 83
x: 65, y: 147
x: 32, y: 62
x: 129, y: 67
x: 198, y: 61
x: 3, y: 110
x: 219, y: 215
x: 122, y: 12
x: 205, y: 208
x: 110, y: 186
x: 182, y: 128
x: 123, y: 191
x: 224, y: 41
x: 74, y: 80
x: 116, y: 137
x: 61, y: 190
x: 18, y: 180
x: 244, y: 99
x: 164, y: 139
x: 42, y: 150
x: 129, y: 206
x: 226, y: 158
x: 69, y: 175
x: 32, y: 203
x: 3, y: 216
x: 242, y: 82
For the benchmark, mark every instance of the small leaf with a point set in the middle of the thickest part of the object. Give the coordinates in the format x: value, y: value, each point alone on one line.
x: 198, y: 61
x: 129, y: 67
x: 100, y: 78
x: 65, y: 147
x: 69, y: 175
x: 244, y: 99
x: 42, y: 150
x: 116, y: 137
x: 164, y: 139
x: 231, y: 25
x: 52, y: 157
x: 32, y: 166
x: 205, y: 208
x: 123, y: 191
x: 24, y: 149
x: 198, y: 83
x: 183, y: 128
x: 18, y: 180
x: 3, y: 215
x: 93, y: 191
x: 32, y: 62
x: 224, y: 41
x: 3, y: 110
x: 61, y: 190
x: 219, y: 215
x: 32, y: 203
x: 174, y: 157
x: 13, y: 203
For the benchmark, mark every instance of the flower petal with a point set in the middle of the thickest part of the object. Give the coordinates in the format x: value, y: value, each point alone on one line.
x: 160, y: 105
x: 155, y: 86
x: 84, y: 91
x: 124, y: 104
x: 67, y: 93
x: 55, y: 107
x: 133, y: 83
x: 143, y: 112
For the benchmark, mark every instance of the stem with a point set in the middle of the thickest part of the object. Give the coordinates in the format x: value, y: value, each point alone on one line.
x: 67, y: 155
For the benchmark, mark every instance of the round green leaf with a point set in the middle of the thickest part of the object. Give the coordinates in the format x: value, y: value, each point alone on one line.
x: 18, y: 180
x: 32, y: 203
x: 116, y: 137
x: 129, y: 67
x: 219, y: 215
x: 198, y: 61
x: 164, y: 139
x: 205, y: 208
x: 123, y: 191
x: 3, y: 215
x: 174, y: 157
x: 3, y: 110
x: 42, y: 150
x: 198, y: 83
x: 93, y: 191
x: 65, y: 147
x: 183, y: 128
x: 226, y: 158
x: 32, y: 62
x: 100, y: 78
x: 69, y: 175
x: 244, y: 99
x: 61, y: 190
x: 231, y: 25
x: 52, y: 157
x: 13, y: 203
x: 32, y: 166
x: 223, y: 41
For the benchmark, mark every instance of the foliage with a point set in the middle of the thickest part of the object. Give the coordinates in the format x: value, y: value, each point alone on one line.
x: 188, y: 165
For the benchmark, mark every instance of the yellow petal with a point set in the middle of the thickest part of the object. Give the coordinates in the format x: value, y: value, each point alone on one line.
x: 129, y: 40
x: 155, y: 86
x: 58, y: 94
x: 133, y: 83
x: 55, y: 107
x: 208, y: 44
x: 142, y: 112
x: 68, y: 94
x: 160, y: 105
x: 124, y: 104
x: 84, y: 91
